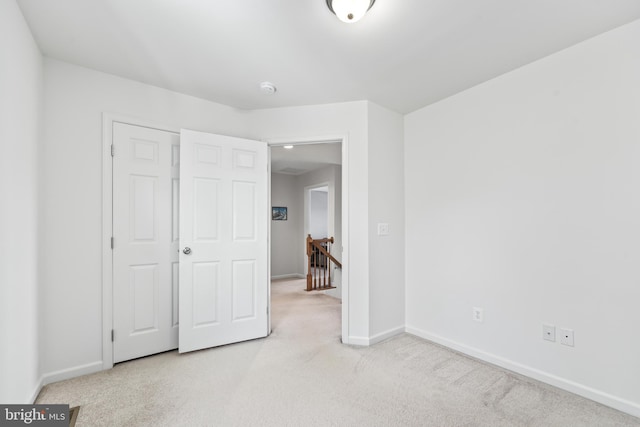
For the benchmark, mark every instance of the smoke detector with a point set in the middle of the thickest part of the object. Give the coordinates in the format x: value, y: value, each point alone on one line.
x: 267, y: 88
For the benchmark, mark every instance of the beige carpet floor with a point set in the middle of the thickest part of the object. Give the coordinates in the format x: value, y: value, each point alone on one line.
x: 303, y: 376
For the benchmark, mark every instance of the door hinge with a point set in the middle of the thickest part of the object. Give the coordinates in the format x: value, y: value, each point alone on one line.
x: 112, y: 243
x: 267, y: 309
x: 113, y: 150
x: 112, y: 335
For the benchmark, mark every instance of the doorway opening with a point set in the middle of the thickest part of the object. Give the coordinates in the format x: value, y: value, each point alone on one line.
x: 308, y: 179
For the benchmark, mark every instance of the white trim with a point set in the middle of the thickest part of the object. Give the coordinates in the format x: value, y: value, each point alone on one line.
x: 346, y: 266
x: 65, y: 374
x: 108, y: 119
x: 288, y: 276
x: 326, y: 139
x: 618, y: 403
x: 107, y: 232
x: 364, y: 341
x: 37, y: 390
x: 268, y: 219
x: 344, y: 139
x: 359, y: 341
x: 386, y: 335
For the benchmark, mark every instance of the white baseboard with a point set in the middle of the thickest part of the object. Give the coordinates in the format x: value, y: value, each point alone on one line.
x: 76, y: 371
x: 386, y: 334
x: 615, y: 402
x: 36, y: 392
x: 361, y: 341
x: 367, y: 341
x: 288, y: 276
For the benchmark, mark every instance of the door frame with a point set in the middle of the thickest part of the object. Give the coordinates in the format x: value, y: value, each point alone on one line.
x: 326, y: 139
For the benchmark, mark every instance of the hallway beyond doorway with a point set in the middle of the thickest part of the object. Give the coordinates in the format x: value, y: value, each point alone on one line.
x: 307, y: 316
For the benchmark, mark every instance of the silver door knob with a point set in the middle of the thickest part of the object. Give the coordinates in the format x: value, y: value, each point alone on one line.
x: 186, y: 250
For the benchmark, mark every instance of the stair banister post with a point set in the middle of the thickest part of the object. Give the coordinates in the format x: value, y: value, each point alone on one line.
x: 309, y: 252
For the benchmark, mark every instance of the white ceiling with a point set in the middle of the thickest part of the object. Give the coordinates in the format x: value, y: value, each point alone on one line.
x: 305, y: 158
x: 404, y: 54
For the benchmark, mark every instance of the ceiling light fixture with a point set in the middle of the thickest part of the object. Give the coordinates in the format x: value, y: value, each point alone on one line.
x: 349, y: 11
x: 288, y: 147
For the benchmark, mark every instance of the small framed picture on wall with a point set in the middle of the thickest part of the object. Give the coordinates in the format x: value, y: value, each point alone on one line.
x: 279, y: 213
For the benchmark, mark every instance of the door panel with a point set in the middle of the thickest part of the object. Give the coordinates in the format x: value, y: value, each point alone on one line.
x: 244, y: 290
x: 244, y: 211
x: 205, y: 212
x: 146, y: 237
x: 143, y: 207
x: 223, y: 220
x: 144, y: 295
x: 206, y: 296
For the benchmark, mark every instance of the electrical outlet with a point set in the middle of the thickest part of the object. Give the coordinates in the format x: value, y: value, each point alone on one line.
x: 566, y: 337
x: 549, y: 333
x: 478, y: 314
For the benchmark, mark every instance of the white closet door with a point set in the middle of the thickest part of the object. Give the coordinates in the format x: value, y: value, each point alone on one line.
x: 145, y: 254
x: 223, y: 240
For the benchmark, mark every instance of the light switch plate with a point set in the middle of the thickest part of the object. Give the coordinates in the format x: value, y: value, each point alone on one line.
x: 383, y: 229
x: 478, y: 314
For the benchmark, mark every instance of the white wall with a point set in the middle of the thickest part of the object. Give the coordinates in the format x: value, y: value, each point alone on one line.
x: 374, y: 183
x: 318, y: 121
x: 318, y: 214
x: 386, y: 205
x: 75, y: 99
x: 20, y: 129
x: 522, y: 197
x: 285, y: 235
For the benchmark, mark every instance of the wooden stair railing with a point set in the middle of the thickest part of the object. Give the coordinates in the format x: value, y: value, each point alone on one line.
x: 319, y: 261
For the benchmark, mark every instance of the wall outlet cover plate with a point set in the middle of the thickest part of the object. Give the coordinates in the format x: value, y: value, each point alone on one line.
x: 549, y: 332
x: 566, y: 337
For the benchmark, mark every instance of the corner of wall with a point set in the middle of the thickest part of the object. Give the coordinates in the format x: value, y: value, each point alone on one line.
x: 386, y: 209
x: 20, y: 134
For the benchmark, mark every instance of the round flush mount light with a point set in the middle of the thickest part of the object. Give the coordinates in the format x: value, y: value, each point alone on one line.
x: 267, y: 88
x: 350, y: 11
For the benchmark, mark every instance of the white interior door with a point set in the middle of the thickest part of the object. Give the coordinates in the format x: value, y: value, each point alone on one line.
x: 224, y: 281
x: 145, y: 253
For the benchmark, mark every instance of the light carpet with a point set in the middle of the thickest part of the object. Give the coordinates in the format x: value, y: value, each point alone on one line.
x: 303, y: 376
